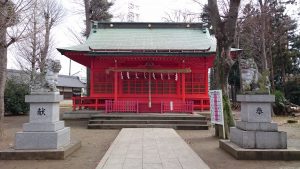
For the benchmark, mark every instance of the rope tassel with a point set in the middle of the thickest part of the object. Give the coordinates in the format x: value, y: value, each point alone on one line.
x: 128, y: 76
x: 136, y: 76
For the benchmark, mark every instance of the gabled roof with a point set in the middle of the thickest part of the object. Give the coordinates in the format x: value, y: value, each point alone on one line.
x: 143, y: 37
x: 63, y: 80
x: 69, y: 81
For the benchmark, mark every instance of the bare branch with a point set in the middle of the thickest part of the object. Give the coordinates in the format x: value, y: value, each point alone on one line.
x: 77, y: 38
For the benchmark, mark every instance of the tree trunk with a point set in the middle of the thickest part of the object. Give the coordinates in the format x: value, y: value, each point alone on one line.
x: 87, y: 33
x: 224, y: 74
x: 34, y: 45
x: 225, y: 32
x: 45, y: 50
x: 3, y: 65
x: 272, y: 73
x: 87, y: 17
x: 263, y: 35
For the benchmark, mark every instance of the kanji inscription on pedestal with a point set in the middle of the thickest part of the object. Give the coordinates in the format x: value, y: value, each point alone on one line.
x: 41, y: 111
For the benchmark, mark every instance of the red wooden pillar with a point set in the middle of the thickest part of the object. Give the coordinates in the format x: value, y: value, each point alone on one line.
x: 92, y: 77
x: 183, y: 82
x: 116, y: 82
x: 206, y: 75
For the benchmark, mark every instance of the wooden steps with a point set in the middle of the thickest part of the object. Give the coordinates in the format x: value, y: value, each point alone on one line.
x: 119, y: 121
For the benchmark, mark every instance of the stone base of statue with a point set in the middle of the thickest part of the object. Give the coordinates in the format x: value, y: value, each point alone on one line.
x: 44, y: 130
x: 255, y: 134
x: 256, y: 130
x: 45, y: 136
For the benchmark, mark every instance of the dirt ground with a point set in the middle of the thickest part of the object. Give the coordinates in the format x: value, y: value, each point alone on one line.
x: 96, y: 142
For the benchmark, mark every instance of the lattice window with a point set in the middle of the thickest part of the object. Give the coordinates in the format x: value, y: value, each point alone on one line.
x: 103, y: 83
x: 195, y: 83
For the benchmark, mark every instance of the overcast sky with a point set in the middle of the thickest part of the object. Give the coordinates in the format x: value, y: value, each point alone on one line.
x: 148, y: 10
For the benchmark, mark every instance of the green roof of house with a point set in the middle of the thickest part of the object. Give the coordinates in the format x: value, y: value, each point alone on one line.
x: 127, y: 37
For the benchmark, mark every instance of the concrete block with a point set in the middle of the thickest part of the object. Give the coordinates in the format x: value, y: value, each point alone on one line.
x: 288, y: 154
x: 271, y: 140
x: 44, y: 98
x: 256, y: 112
x: 256, y: 108
x: 57, y: 154
x: 256, y: 98
x: 44, y: 112
x: 244, y: 139
x: 27, y: 127
x: 42, y: 140
x: 256, y: 126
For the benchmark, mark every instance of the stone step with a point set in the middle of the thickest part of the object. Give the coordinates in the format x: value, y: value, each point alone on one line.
x: 174, y: 126
x: 147, y: 117
x: 126, y: 121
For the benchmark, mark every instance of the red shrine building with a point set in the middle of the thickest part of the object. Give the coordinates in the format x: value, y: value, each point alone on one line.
x: 145, y: 67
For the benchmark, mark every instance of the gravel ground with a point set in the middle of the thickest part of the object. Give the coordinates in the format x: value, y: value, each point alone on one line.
x: 96, y: 142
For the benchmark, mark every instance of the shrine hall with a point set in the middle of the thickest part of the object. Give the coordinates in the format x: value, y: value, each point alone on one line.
x: 145, y: 67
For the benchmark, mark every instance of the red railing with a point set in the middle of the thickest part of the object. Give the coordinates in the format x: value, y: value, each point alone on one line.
x: 156, y: 107
x: 93, y: 103
x: 122, y: 106
x: 177, y: 107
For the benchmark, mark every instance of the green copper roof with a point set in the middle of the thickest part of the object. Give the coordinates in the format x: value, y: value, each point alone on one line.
x: 146, y: 36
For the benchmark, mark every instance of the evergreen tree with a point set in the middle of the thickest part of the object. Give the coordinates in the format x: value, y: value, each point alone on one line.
x: 99, y: 10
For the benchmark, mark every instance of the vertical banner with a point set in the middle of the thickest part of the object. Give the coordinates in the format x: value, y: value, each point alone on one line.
x: 216, y: 107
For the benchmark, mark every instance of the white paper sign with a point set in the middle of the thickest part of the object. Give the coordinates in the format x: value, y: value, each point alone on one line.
x: 216, y: 107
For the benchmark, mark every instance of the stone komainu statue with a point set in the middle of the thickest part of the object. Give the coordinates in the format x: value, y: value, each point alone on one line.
x: 252, y: 81
x: 249, y: 74
x: 47, y: 81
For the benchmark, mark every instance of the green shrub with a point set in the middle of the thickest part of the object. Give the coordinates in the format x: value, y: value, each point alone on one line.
x: 280, y: 100
x: 14, y: 97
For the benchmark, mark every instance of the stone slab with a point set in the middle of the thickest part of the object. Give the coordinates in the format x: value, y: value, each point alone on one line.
x: 256, y: 98
x: 44, y: 112
x: 291, y: 153
x: 256, y: 112
x: 256, y: 126
x: 258, y: 139
x: 79, y: 114
x: 245, y: 139
x: 271, y: 140
x: 151, y: 148
x: 42, y: 140
x: 51, y: 154
x: 43, y: 98
x: 27, y: 127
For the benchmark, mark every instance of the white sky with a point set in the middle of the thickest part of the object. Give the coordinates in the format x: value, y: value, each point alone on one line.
x: 148, y: 10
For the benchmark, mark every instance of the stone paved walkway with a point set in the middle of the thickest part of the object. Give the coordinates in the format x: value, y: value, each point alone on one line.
x: 150, y: 148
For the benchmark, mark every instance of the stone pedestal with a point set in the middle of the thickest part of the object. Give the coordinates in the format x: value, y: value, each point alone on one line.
x: 44, y: 130
x: 256, y: 130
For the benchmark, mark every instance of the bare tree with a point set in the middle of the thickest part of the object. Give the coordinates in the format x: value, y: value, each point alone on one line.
x: 34, y: 50
x: 12, y: 13
x: 181, y: 16
x: 28, y: 50
x: 52, y: 14
x: 225, y: 29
